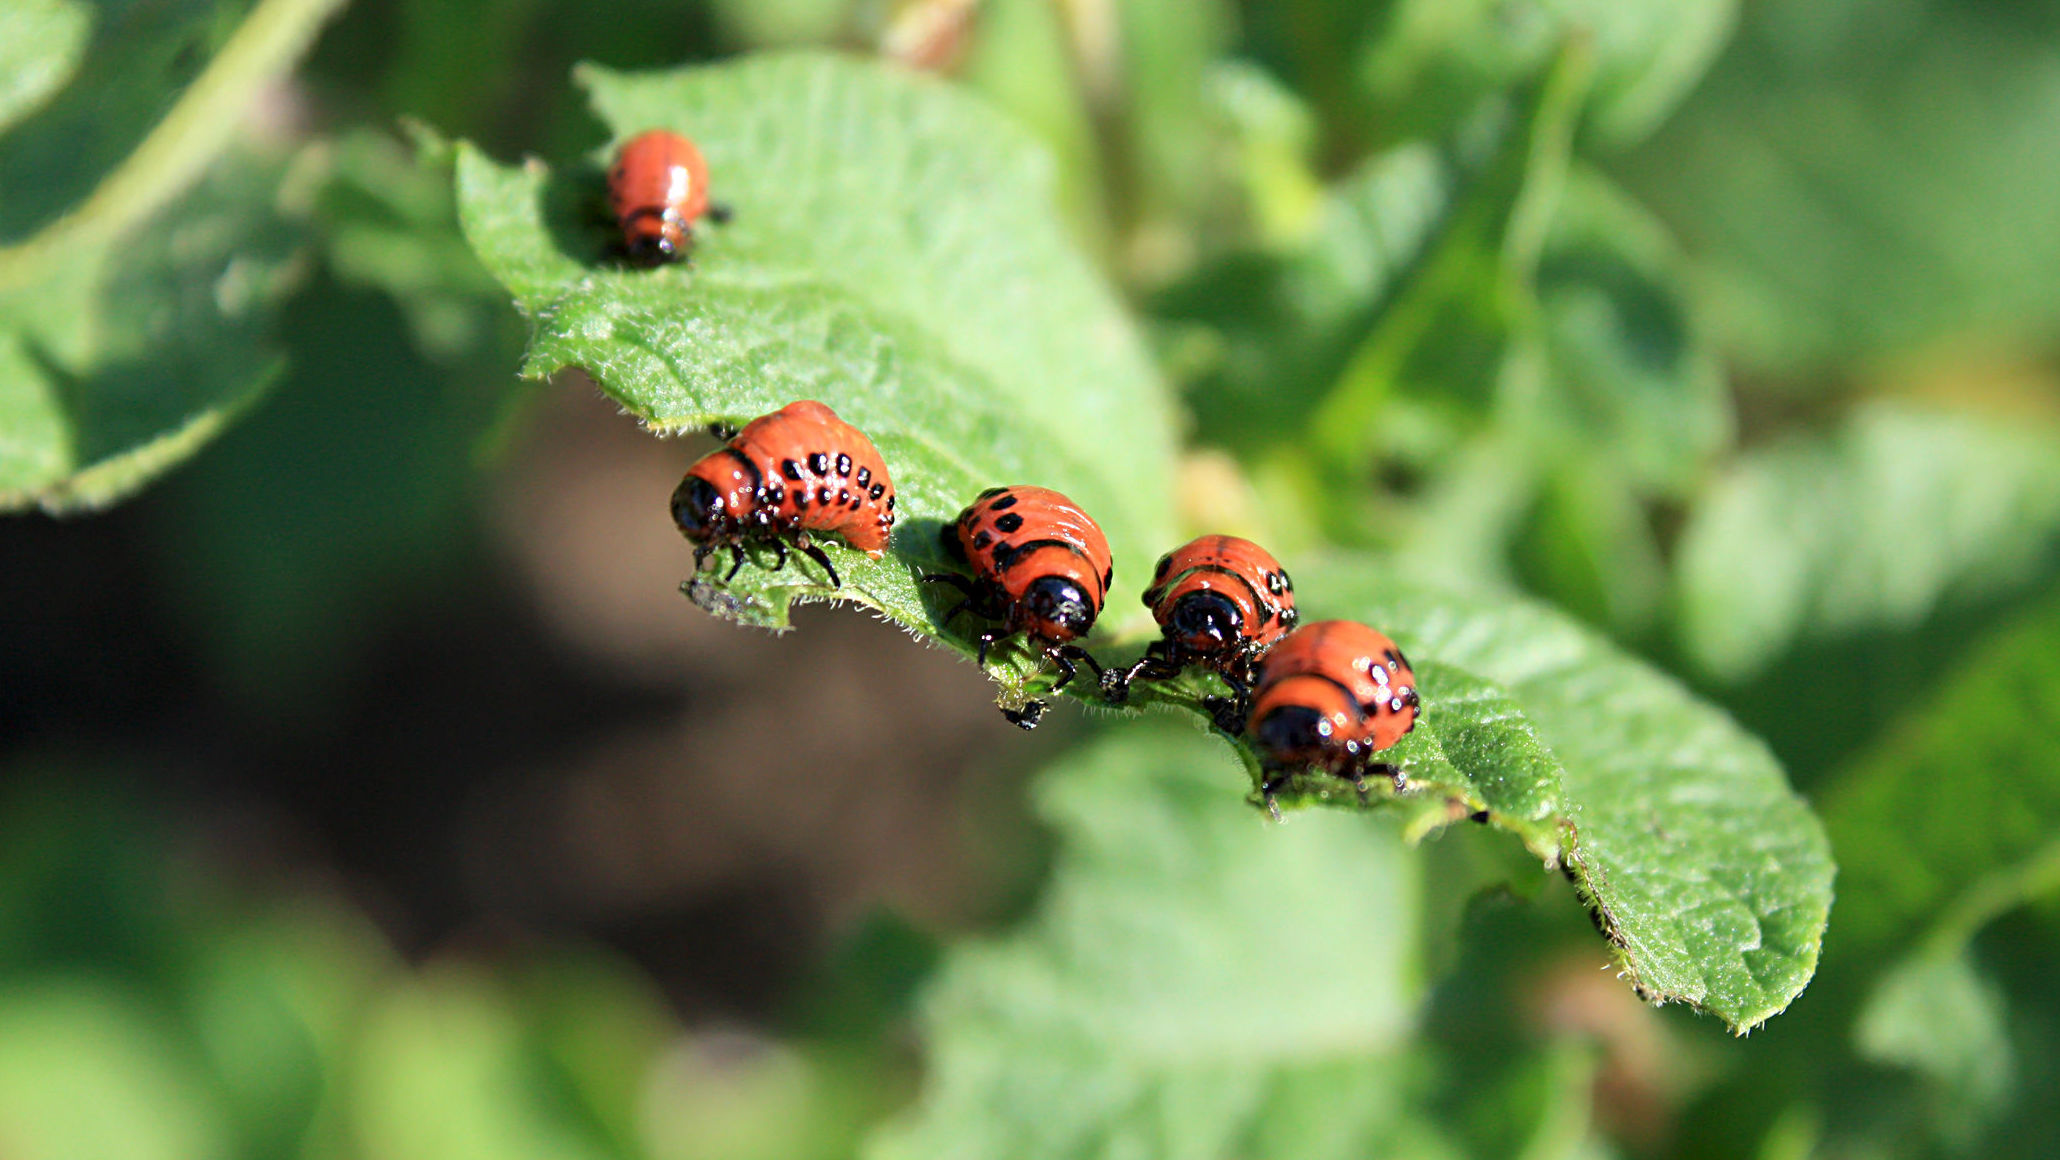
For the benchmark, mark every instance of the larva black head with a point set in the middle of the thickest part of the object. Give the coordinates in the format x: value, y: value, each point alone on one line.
x: 1206, y: 622
x: 700, y: 510
x: 650, y: 249
x: 1057, y: 609
x: 1293, y: 732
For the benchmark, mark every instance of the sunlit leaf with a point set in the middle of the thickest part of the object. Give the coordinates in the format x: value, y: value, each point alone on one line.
x: 894, y: 254
x: 1592, y: 759
x: 1705, y: 870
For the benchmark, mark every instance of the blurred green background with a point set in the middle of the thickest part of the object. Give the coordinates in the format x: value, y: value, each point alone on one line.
x: 367, y: 789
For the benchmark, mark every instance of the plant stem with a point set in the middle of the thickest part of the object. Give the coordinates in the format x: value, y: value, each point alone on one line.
x: 1995, y: 895
x: 181, y: 147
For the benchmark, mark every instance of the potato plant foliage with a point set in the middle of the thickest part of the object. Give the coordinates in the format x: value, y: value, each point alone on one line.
x: 894, y: 253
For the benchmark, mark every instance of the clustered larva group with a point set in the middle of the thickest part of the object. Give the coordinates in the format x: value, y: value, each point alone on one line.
x: 1326, y: 696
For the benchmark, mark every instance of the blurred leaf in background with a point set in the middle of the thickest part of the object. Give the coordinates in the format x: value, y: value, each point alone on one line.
x: 1510, y: 294
x: 1430, y: 62
x: 1863, y: 181
x: 1988, y: 734
x: 352, y: 490
x: 128, y: 358
x: 154, y: 1008
x: 134, y: 318
x: 41, y: 42
x: 1899, y: 512
x: 1188, y: 981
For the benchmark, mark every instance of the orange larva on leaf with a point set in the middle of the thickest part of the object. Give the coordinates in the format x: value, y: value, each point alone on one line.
x: 798, y: 470
x: 1221, y: 602
x: 1041, y: 567
x: 1328, y: 697
x: 658, y: 188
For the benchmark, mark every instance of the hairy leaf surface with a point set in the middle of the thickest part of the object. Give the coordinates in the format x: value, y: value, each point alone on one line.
x: 894, y: 253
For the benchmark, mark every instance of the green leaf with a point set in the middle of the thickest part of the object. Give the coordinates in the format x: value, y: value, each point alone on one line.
x: 267, y: 544
x: 1634, y: 382
x: 1273, y: 137
x: 132, y: 326
x: 1397, y: 311
x: 1506, y: 775
x: 1870, y: 179
x: 1708, y: 874
x: 600, y: 1025
x: 179, y: 148
x: 1588, y: 545
x: 124, y: 362
x: 1623, y: 400
x: 1169, y: 172
x: 1400, y: 286
x: 1020, y: 59
x: 272, y: 993
x: 894, y: 254
x: 1113, y: 92
x: 1191, y: 982
x: 729, y: 1095
x: 444, y: 1071
x: 1938, y: 1016
x: 131, y: 63
x: 1898, y: 511
x: 1989, y: 733
x: 87, y: 1068
x: 390, y: 221
x: 1276, y: 331
x: 41, y: 42
x: 767, y: 23
x: 1478, y: 757
x: 1433, y: 60
x: 1537, y: 1105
